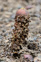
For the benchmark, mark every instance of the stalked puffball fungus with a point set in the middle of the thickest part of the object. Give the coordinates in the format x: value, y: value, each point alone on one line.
x: 21, y: 30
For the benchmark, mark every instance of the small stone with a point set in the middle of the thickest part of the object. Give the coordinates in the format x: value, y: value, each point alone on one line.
x: 34, y: 38
x: 6, y: 41
x: 29, y: 57
x: 3, y: 30
x: 12, y: 16
x: 13, y: 27
x: 2, y: 9
x: 39, y: 56
x: 1, y: 37
x: 31, y: 39
x: 19, y: 7
x: 37, y: 15
x: 28, y: 7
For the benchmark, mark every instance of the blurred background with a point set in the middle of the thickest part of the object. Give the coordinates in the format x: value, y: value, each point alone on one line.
x: 8, y: 10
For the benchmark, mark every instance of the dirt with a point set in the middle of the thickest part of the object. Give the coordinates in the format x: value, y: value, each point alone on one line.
x: 8, y: 10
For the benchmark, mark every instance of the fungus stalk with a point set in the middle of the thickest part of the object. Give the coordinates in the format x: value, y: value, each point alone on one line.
x: 21, y: 30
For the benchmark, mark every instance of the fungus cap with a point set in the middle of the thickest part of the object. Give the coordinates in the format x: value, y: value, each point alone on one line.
x: 22, y: 12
